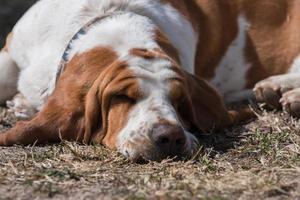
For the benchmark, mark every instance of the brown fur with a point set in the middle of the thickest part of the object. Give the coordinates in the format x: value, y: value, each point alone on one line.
x: 204, y: 109
x: 273, y: 39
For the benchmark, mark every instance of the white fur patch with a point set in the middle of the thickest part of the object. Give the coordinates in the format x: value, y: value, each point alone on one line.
x: 231, y: 73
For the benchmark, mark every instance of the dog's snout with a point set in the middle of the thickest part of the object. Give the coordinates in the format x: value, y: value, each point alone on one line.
x: 168, y: 139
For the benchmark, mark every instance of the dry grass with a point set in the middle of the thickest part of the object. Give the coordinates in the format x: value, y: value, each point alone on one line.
x: 257, y: 160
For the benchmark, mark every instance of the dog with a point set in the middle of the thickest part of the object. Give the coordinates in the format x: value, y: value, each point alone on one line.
x: 146, y: 77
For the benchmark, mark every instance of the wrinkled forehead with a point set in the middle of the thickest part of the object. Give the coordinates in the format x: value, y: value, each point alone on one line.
x: 154, y: 73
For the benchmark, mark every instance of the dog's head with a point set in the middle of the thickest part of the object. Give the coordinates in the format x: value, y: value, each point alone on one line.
x: 146, y: 106
x: 143, y: 105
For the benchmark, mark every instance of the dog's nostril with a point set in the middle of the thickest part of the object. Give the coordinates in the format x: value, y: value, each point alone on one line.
x: 164, y: 140
x: 168, y: 138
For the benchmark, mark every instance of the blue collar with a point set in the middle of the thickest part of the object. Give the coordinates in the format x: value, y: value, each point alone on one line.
x: 82, y: 31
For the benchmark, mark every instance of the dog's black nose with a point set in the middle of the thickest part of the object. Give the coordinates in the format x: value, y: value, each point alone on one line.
x: 169, y: 139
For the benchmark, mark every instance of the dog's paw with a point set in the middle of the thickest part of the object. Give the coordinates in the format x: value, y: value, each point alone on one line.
x: 291, y: 102
x: 20, y: 107
x: 270, y: 91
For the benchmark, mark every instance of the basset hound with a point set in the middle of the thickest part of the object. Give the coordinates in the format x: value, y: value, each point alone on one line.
x: 146, y: 77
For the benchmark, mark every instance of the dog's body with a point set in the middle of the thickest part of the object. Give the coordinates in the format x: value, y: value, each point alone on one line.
x: 232, y: 44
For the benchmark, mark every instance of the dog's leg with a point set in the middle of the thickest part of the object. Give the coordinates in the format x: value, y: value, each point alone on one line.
x: 8, y: 77
x: 49, y: 125
x: 271, y: 90
x: 28, y: 132
x: 44, y: 127
x: 60, y: 118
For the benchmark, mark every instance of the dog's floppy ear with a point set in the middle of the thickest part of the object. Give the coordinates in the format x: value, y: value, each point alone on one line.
x: 93, y: 113
x: 97, y: 105
x: 205, y: 109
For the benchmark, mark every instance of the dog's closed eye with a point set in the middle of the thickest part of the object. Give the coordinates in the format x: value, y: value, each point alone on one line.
x: 119, y: 98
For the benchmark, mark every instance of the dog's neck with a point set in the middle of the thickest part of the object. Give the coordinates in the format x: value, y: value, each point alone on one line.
x: 122, y: 33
